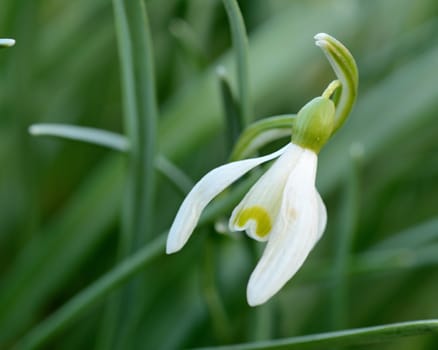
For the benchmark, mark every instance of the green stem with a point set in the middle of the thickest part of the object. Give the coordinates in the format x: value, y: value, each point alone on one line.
x: 240, y: 43
x: 140, y: 117
x: 261, y: 132
x: 358, y: 336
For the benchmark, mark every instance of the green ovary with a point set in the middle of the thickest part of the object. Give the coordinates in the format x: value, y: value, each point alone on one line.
x: 260, y: 216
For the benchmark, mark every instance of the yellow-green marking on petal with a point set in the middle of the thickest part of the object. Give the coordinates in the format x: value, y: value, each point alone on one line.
x: 259, y: 215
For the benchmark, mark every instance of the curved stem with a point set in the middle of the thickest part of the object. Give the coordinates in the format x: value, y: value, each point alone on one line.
x: 260, y: 133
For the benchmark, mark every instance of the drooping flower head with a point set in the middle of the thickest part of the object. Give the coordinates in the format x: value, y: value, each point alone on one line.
x: 283, y: 207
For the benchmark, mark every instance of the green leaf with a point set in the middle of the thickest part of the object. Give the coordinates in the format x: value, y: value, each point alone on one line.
x: 240, y: 44
x: 140, y: 119
x: 358, y: 336
x: 79, y: 133
x: 233, y: 122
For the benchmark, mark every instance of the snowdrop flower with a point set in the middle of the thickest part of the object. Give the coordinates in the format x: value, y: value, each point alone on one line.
x: 283, y: 207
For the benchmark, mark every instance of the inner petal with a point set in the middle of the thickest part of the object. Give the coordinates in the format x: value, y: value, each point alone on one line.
x: 259, y: 208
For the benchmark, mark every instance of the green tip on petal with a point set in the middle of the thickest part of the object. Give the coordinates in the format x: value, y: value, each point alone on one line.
x: 260, y: 216
x: 314, y: 124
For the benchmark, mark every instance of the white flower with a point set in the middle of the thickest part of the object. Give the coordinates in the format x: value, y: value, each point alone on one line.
x: 283, y: 207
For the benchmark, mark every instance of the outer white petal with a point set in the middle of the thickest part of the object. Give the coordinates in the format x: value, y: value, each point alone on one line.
x: 295, y: 232
x: 203, y: 192
x: 322, y: 215
x: 266, y: 195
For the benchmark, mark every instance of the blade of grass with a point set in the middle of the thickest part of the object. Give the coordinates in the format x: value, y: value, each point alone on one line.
x: 233, y: 123
x: 240, y: 44
x: 79, y: 133
x: 359, y: 336
x: 140, y: 117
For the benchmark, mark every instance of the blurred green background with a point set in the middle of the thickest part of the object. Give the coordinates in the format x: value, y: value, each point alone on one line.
x: 60, y: 200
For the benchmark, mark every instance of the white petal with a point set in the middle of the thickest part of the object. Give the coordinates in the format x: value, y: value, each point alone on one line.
x: 257, y: 211
x: 293, y: 236
x: 322, y: 215
x: 203, y: 192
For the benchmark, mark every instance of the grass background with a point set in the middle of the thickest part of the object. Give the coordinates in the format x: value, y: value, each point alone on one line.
x: 60, y: 201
